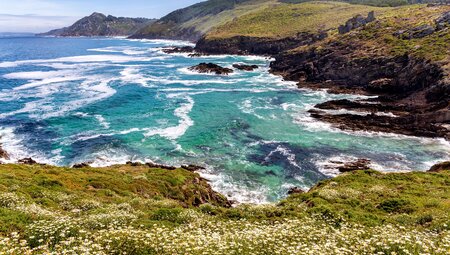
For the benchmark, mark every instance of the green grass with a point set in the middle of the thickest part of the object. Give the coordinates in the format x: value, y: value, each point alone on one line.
x: 202, y: 17
x: 141, y: 210
x: 374, y: 198
x: 290, y: 19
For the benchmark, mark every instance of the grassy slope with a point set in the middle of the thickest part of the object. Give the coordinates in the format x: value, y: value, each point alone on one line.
x: 202, y: 17
x: 139, y: 210
x: 290, y: 19
x: 381, y: 3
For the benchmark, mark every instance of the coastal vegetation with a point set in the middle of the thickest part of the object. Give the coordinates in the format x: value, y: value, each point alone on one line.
x: 288, y: 20
x: 139, y: 209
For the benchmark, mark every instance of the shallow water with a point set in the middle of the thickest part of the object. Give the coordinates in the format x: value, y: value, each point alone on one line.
x: 107, y: 101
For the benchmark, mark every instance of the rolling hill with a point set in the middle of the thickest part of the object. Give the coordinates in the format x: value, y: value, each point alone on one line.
x: 193, y: 22
x: 98, y: 24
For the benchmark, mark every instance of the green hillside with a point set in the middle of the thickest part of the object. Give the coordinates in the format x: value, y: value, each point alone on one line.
x: 192, y: 22
x: 381, y: 3
x: 288, y: 20
x: 144, y: 210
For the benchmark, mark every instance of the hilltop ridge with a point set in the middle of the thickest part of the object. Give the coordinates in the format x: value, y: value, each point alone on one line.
x: 98, y: 24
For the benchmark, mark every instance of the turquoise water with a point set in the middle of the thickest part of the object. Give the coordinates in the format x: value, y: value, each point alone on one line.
x: 108, y: 101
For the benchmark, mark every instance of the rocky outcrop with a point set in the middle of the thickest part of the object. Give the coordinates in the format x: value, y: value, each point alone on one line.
x: 3, y: 153
x: 411, y: 86
x: 440, y: 167
x: 443, y: 21
x: 185, y: 49
x: 244, y: 45
x: 27, y: 161
x: 211, y: 68
x: 98, y: 24
x: 415, y: 33
x: 247, y: 68
x: 356, y: 22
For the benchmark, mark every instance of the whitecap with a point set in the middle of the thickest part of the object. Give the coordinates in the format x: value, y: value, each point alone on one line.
x: 184, y: 123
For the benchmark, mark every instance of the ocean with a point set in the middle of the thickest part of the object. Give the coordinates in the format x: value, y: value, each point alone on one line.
x: 107, y: 101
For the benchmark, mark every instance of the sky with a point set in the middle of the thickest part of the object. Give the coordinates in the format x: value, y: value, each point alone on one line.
x: 37, y: 16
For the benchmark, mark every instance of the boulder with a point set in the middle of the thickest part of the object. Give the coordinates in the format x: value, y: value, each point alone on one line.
x: 440, y: 167
x: 211, y: 68
x: 356, y: 22
x: 245, y: 67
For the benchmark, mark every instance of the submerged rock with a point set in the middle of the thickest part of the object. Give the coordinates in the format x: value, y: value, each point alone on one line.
x: 440, y: 167
x: 245, y: 67
x: 211, y: 68
x: 356, y: 22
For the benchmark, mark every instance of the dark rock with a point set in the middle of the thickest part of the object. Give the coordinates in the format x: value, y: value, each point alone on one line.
x: 245, y: 67
x: 81, y: 165
x: 3, y: 153
x: 192, y: 168
x: 295, y: 190
x: 185, y: 49
x: 360, y: 164
x: 415, y: 33
x: 356, y: 22
x: 412, y: 87
x: 440, y: 167
x: 152, y: 165
x: 130, y: 163
x: 443, y: 21
x: 243, y: 45
x: 211, y: 68
x: 27, y: 161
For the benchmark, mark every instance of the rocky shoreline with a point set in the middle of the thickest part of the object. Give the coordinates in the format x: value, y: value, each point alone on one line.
x: 412, y: 93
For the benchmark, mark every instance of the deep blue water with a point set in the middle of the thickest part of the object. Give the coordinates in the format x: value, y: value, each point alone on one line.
x: 107, y: 101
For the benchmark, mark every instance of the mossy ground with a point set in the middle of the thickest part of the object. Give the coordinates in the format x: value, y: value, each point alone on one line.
x: 142, y: 210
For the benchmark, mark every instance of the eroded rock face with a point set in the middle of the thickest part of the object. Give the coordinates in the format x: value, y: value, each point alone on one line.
x: 413, y: 87
x: 243, y: 45
x: 245, y: 67
x: 356, y: 22
x: 211, y: 68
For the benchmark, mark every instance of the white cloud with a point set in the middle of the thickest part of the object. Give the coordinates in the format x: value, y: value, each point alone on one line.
x: 33, y: 23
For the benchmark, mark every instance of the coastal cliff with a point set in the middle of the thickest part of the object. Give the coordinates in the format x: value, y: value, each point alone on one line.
x: 392, y: 56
